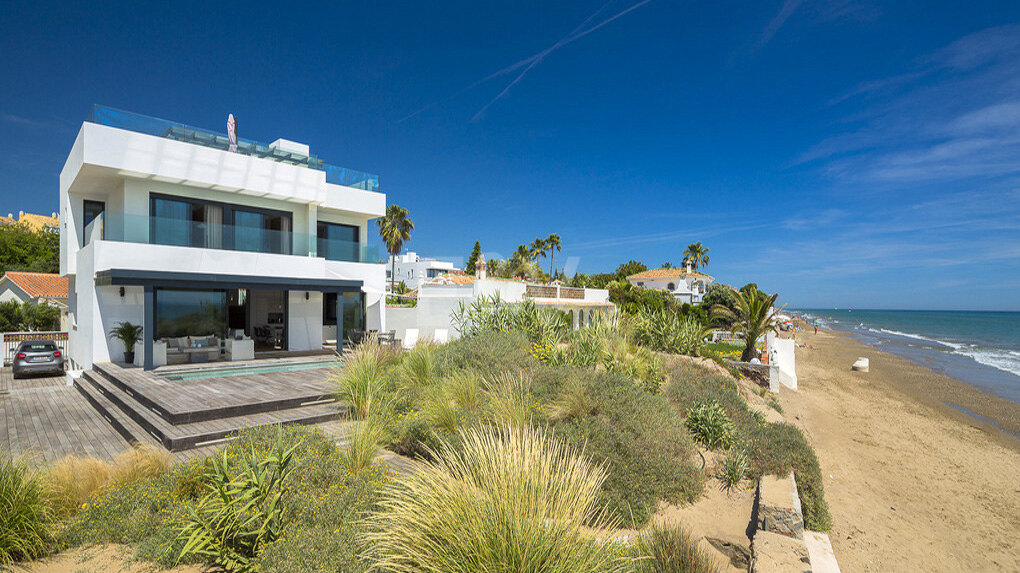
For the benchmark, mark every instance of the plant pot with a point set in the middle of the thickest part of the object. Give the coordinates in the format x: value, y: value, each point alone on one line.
x: 129, y: 357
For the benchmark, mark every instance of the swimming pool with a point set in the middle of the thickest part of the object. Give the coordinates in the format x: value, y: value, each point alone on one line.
x: 224, y: 371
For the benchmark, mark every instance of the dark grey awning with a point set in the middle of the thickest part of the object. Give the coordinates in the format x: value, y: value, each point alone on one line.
x: 166, y: 279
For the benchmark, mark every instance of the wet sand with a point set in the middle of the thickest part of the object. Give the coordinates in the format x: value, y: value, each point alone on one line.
x: 913, y: 484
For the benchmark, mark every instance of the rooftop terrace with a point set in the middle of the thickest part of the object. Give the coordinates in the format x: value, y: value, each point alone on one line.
x: 112, y: 117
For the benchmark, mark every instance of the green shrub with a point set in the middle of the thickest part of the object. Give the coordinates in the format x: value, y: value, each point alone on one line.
x: 775, y: 449
x: 667, y: 330
x: 671, y: 549
x: 242, y: 512
x: 150, y: 513
x: 506, y: 499
x: 709, y: 424
x: 24, y: 514
x: 487, y: 353
x: 640, y: 439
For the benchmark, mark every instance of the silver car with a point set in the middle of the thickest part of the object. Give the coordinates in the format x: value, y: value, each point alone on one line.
x: 37, y: 356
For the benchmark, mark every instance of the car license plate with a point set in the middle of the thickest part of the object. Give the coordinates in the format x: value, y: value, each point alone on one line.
x: 39, y: 359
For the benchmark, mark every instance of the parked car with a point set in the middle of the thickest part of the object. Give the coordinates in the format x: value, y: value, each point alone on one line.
x: 36, y: 356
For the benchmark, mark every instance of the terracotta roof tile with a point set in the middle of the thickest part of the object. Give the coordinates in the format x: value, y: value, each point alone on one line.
x: 668, y: 274
x: 40, y: 284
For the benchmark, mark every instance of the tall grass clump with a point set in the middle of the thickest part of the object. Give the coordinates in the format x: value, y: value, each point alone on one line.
x: 71, y: 481
x: 24, y: 515
x: 362, y: 446
x: 505, y: 499
x: 419, y: 365
x: 671, y: 549
x: 360, y: 378
x: 508, y: 399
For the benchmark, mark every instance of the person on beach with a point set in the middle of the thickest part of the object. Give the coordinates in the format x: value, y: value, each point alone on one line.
x: 816, y: 329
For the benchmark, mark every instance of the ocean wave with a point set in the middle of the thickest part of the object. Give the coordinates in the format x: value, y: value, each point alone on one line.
x: 1005, y: 360
x: 953, y: 345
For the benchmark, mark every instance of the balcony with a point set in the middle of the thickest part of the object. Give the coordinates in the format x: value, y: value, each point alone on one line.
x: 111, y: 117
x: 119, y: 227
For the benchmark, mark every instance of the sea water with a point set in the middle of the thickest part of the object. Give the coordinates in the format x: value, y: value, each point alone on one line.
x: 979, y: 348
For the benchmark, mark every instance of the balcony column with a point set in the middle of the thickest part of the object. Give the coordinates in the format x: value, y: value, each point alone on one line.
x: 312, y: 230
x: 148, y: 325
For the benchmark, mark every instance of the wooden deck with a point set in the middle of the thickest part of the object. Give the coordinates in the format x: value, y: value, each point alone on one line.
x: 112, y: 406
x: 45, y: 419
x: 202, y: 399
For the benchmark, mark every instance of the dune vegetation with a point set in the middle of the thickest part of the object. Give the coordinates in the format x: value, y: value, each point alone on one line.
x: 533, y: 443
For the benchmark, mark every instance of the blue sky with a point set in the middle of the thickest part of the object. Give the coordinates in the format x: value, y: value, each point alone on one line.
x: 841, y: 153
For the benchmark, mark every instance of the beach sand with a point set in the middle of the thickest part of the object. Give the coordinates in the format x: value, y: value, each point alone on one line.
x: 913, y: 485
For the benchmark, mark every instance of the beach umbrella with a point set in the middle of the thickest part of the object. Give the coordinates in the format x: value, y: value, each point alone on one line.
x: 232, y: 132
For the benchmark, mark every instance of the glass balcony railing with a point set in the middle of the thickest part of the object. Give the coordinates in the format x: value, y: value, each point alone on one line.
x: 209, y: 235
x: 139, y: 123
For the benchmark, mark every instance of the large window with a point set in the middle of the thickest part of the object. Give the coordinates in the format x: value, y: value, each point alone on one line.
x: 353, y: 309
x: 190, y: 313
x: 92, y: 211
x: 261, y: 232
x: 338, y: 242
x: 207, y: 224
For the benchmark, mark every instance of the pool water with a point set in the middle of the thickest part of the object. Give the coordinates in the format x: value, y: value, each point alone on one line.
x: 223, y: 371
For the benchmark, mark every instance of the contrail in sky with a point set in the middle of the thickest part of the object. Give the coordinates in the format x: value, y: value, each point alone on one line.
x: 528, y: 63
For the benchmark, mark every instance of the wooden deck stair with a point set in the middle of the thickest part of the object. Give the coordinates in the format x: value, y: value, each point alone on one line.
x: 141, y: 411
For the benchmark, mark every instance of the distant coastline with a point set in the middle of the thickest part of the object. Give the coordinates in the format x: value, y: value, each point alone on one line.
x: 957, y: 383
x: 980, y: 348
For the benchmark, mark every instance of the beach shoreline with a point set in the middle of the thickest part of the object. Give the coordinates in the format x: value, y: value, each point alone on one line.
x: 912, y: 483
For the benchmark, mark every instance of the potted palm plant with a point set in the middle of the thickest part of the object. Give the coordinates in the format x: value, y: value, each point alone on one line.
x: 129, y: 334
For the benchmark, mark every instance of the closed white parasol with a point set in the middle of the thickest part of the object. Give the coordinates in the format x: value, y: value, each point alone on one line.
x: 232, y: 132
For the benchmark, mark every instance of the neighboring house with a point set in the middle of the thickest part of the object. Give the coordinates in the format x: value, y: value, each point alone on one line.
x: 686, y: 285
x: 33, y: 221
x: 36, y: 288
x: 440, y: 297
x: 192, y: 234
x: 413, y: 270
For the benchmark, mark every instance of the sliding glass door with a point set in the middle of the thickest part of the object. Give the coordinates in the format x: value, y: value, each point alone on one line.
x: 190, y: 313
x: 337, y: 242
x: 189, y: 222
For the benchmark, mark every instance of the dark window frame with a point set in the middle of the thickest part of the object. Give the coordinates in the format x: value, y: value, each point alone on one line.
x: 84, y: 209
x: 227, y: 223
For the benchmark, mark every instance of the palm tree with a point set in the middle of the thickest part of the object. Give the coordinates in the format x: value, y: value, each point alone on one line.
x: 537, y: 249
x: 697, y: 255
x: 395, y: 227
x: 753, y: 314
x: 552, y: 243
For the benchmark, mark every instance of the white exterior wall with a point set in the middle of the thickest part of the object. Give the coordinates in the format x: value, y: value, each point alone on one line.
x: 304, y: 320
x: 123, y: 168
x: 683, y: 286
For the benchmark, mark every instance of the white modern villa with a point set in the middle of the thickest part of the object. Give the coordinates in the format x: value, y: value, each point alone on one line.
x: 438, y: 299
x: 685, y: 284
x: 214, y: 242
x: 413, y: 270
